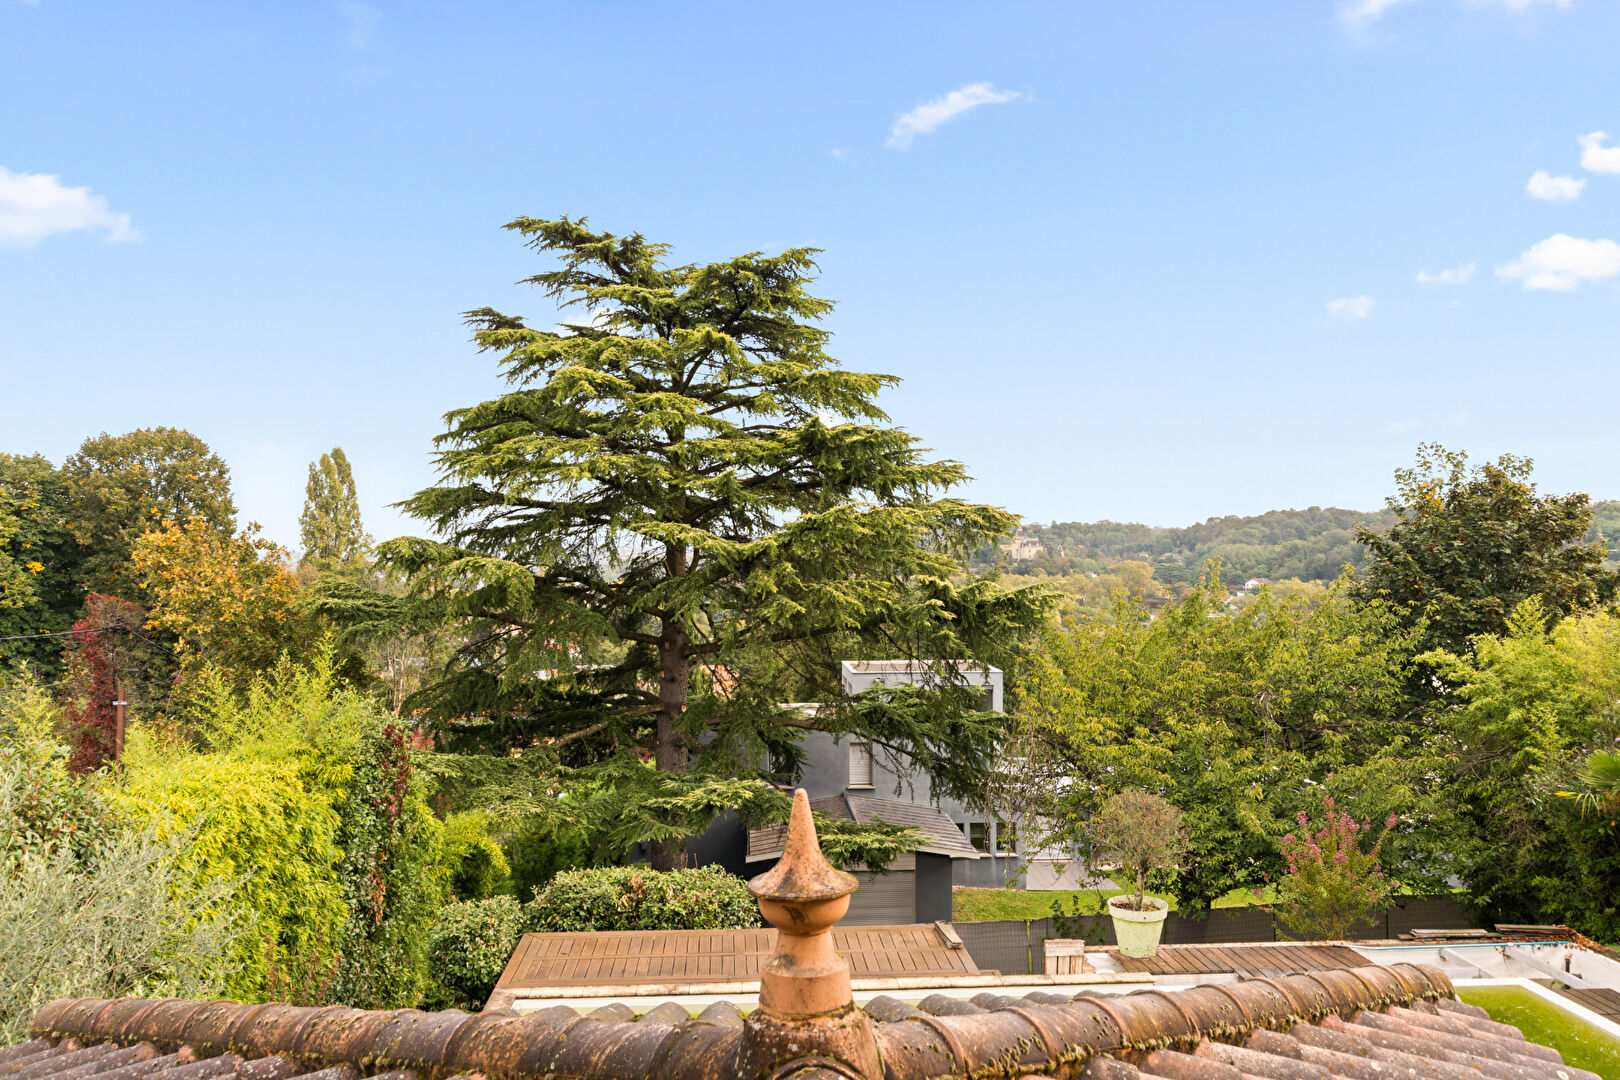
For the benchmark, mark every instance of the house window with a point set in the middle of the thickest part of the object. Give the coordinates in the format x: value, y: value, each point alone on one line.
x: 977, y: 836
x: 860, y: 764
x: 1006, y: 838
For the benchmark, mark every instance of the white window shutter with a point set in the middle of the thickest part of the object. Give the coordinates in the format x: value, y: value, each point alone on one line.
x: 860, y: 764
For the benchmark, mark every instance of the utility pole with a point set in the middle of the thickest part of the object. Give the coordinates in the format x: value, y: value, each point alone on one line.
x: 119, y: 704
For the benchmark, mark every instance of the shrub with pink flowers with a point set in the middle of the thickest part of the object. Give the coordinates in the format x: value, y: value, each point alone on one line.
x: 1331, y: 881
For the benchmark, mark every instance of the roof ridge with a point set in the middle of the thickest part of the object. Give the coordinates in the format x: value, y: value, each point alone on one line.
x: 559, y: 1042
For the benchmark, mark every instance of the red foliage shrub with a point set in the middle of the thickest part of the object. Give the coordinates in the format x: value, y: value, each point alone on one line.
x: 93, y: 658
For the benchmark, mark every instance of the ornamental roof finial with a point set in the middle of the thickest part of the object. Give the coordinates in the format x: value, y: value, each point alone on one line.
x: 806, y: 1007
x: 803, y: 896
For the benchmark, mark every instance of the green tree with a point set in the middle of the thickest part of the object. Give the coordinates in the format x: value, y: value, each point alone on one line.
x: 330, y: 523
x: 1523, y: 712
x: 39, y: 562
x: 683, y: 480
x: 1236, y: 717
x: 1469, y: 545
x: 120, y: 486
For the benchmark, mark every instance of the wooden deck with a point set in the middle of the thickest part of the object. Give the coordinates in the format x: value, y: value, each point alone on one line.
x: 1248, y: 961
x: 1606, y: 1003
x: 666, y: 957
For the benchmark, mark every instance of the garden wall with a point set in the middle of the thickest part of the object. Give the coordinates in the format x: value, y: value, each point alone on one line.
x: 1016, y: 946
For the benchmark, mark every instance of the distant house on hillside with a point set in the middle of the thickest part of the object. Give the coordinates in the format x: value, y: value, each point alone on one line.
x: 1021, y: 547
x: 1256, y: 582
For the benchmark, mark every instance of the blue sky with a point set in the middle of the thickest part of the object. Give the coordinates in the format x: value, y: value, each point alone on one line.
x: 1151, y: 262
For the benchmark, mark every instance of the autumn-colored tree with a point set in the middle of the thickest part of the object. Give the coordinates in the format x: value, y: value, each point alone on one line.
x: 99, y: 659
x: 120, y: 486
x: 229, y: 599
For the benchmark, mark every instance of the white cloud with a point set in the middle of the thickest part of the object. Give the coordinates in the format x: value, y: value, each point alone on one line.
x: 1595, y: 157
x: 362, y: 21
x: 1350, y: 308
x: 1455, y: 276
x: 1519, y: 7
x: 1544, y: 185
x: 1361, y: 13
x: 931, y: 114
x: 36, y: 205
x: 1562, y: 262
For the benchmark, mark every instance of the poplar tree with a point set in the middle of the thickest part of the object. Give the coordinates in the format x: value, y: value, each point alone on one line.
x: 681, y: 499
x: 330, y: 523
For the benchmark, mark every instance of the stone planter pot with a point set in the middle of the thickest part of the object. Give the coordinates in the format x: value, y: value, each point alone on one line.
x: 1138, y: 932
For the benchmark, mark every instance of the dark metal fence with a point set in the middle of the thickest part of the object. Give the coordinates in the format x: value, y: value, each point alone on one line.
x: 1016, y: 946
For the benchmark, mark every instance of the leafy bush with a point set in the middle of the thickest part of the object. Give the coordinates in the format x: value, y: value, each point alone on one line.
x: 1142, y: 833
x: 304, y: 790
x: 637, y: 898
x: 537, y: 854
x: 474, y: 861
x: 43, y: 806
x: 470, y: 945
x: 125, y: 923
x: 86, y: 910
x: 259, y: 822
x: 391, y: 873
x: 1331, y: 882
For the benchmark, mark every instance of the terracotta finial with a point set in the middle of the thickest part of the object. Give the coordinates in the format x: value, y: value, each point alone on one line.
x: 807, y: 1014
x: 803, y: 896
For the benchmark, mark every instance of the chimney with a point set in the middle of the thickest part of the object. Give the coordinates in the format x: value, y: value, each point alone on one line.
x: 806, y: 1008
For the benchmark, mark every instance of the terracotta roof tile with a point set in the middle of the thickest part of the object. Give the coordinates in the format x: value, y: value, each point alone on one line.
x: 1372, y: 1021
x: 1359, y: 1023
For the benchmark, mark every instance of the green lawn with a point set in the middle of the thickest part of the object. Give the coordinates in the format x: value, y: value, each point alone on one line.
x: 970, y: 905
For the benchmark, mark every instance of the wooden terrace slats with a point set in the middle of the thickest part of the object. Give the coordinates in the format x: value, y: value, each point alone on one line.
x: 1604, y: 1002
x: 1248, y: 961
x: 628, y: 957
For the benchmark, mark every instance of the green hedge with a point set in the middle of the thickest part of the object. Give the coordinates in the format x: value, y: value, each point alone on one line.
x: 636, y: 898
x: 469, y: 947
x: 473, y: 940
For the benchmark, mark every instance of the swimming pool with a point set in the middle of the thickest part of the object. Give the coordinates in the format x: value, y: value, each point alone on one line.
x: 1582, y: 1045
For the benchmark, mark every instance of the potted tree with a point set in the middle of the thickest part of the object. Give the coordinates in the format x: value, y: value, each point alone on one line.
x: 1140, y: 833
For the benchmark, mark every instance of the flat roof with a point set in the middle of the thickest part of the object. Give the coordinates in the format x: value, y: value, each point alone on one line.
x: 672, y: 958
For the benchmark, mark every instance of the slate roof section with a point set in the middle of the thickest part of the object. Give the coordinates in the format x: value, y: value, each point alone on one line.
x: 939, y: 832
x: 1370, y: 1022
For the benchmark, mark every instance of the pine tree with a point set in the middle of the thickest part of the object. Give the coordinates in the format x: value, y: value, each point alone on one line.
x: 331, y: 519
x: 683, y: 501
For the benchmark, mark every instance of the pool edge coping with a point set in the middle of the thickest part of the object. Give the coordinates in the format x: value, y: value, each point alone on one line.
x: 1574, y: 1008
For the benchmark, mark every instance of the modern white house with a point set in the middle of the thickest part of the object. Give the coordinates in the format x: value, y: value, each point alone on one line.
x: 845, y: 778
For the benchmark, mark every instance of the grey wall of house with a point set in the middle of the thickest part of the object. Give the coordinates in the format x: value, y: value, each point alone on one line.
x: 933, y: 887
x: 723, y: 844
x: 826, y: 772
x: 891, y: 899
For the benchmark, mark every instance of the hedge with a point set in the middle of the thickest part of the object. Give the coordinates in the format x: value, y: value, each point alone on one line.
x: 470, y: 945
x: 636, y: 898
